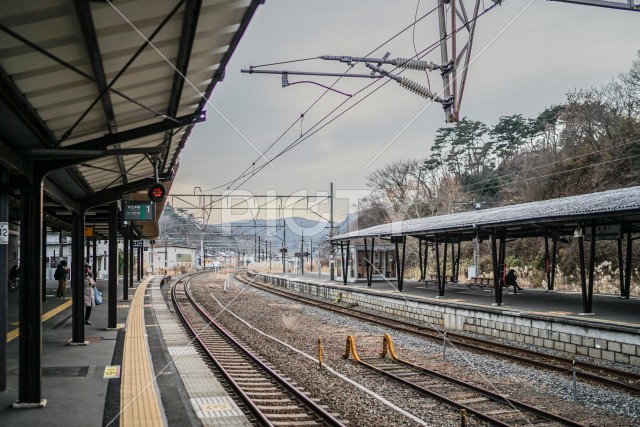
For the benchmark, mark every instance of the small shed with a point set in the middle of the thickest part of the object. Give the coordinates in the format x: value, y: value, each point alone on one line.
x: 382, y: 258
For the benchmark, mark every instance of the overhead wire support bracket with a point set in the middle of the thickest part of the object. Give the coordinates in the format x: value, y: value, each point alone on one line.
x: 409, y: 64
x: 412, y: 86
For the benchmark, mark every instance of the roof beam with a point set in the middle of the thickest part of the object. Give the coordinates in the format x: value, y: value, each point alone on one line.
x: 187, y: 37
x: 218, y: 74
x: 85, y: 19
x: 108, y: 140
x: 115, y: 193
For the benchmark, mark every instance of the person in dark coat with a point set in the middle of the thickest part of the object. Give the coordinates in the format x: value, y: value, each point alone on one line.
x: 14, y: 275
x: 511, y: 280
x: 61, y: 275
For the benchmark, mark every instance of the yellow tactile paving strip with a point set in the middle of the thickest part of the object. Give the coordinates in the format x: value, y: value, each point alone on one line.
x: 138, y: 399
x: 12, y: 335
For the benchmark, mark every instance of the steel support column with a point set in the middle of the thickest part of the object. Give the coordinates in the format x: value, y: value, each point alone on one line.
x: 77, y: 278
x: 343, y: 262
x: 457, y: 275
x: 627, y: 273
x: 125, y: 263
x: 443, y: 278
x: 592, y: 266
x: 367, y: 262
x: 370, y: 262
x: 422, y: 274
x: 547, y: 270
x: 131, y: 248
x: 494, y: 261
x: 426, y: 257
x: 621, y: 267
x: 43, y: 277
x: 437, y: 244
x: 113, y: 266
x: 583, y: 279
x: 30, y: 370
x: 400, y: 261
x: 554, y: 253
x: 503, y: 244
x: 94, y: 263
x: 139, y: 263
x: 4, y: 276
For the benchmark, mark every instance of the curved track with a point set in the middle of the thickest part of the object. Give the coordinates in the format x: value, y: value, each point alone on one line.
x: 622, y: 380
x: 272, y: 400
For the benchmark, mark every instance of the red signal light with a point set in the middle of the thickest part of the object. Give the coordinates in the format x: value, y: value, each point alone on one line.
x: 157, y: 192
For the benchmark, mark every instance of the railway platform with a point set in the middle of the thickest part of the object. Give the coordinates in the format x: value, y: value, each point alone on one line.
x: 145, y: 373
x: 609, y: 309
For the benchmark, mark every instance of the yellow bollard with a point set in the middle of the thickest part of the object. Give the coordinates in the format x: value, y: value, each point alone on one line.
x: 320, y: 351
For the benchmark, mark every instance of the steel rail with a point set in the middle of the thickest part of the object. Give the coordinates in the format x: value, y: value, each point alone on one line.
x: 261, y: 418
x: 552, y: 363
x: 323, y: 414
x: 487, y: 393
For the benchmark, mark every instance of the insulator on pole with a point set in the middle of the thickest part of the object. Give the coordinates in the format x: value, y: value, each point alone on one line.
x: 417, y: 88
x: 414, y: 64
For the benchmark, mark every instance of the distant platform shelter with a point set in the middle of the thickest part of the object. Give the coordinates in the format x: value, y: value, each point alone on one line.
x: 383, y: 262
x: 588, y: 218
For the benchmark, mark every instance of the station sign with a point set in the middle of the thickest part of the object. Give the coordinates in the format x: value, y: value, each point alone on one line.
x: 604, y: 232
x: 138, y: 243
x: 138, y: 211
x: 4, y: 233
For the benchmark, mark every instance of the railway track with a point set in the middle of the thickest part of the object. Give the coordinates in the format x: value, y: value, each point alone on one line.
x: 622, y: 380
x: 270, y: 398
x: 486, y: 405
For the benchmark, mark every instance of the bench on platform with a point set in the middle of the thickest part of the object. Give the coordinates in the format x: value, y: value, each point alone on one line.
x: 481, y: 283
x: 432, y: 279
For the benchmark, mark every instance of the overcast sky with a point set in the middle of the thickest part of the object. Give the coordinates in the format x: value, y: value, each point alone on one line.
x: 548, y: 50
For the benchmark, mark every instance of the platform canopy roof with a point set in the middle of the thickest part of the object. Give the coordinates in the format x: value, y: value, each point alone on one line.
x: 95, y: 92
x: 562, y: 216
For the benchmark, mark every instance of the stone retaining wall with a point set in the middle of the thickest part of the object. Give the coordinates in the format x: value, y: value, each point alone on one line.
x: 606, y: 342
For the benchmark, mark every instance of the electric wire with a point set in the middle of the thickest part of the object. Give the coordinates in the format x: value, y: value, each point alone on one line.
x: 413, y: 39
x: 232, y: 182
x: 308, y: 134
x: 553, y: 163
x: 284, y: 62
x: 565, y: 171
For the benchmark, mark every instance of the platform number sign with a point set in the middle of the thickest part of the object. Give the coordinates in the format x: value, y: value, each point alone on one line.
x: 4, y: 233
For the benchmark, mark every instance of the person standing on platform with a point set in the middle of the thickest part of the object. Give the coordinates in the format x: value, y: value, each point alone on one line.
x: 89, y: 298
x: 61, y: 275
x: 511, y: 280
x: 14, y: 276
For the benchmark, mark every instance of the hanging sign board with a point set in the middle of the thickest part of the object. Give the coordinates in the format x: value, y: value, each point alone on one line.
x: 88, y: 231
x: 138, y: 243
x: 604, y: 232
x: 138, y: 211
x: 4, y: 233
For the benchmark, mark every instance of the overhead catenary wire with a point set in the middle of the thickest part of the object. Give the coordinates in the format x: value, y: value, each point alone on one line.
x: 313, y: 104
x: 312, y: 132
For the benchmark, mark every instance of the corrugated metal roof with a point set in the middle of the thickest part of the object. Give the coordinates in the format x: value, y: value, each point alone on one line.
x: 57, y: 56
x: 523, y: 218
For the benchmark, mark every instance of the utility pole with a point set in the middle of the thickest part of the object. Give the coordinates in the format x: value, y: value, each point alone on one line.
x: 166, y: 253
x: 302, y: 254
x: 284, y: 246
x: 311, y: 253
x: 331, y: 253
